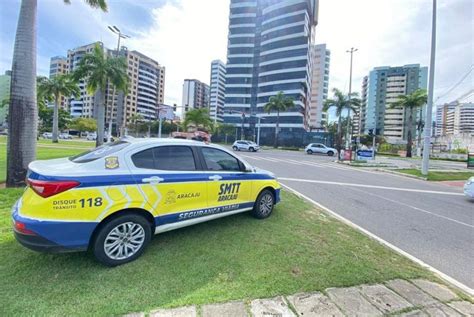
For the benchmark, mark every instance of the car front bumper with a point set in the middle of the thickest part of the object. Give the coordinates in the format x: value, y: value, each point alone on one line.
x: 469, y: 191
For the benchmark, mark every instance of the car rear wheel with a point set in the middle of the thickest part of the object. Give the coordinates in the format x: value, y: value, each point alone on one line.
x: 309, y: 152
x: 122, y: 240
x: 330, y: 153
x: 264, y: 205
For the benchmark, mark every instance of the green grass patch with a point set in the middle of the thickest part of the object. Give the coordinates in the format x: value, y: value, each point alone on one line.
x: 297, y: 249
x: 439, y: 175
x: 45, y: 151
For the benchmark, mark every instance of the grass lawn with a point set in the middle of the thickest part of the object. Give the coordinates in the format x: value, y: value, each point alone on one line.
x: 45, y: 150
x: 439, y: 176
x: 297, y: 249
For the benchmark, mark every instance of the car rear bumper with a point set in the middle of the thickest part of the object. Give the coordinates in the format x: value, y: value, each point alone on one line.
x: 53, y: 236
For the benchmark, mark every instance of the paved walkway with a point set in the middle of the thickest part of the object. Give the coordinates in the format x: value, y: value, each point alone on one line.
x: 394, y: 298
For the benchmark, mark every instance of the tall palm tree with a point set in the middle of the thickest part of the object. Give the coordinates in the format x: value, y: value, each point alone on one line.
x: 52, y: 90
x: 135, y: 120
x: 409, y: 103
x: 278, y: 103
x: 98, y: 69
x: 341, y: 102
x: 199, y: 118
x: 23, y: 118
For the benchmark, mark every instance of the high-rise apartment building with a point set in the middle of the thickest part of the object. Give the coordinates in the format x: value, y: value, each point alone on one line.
x: 145, y: 93
x: 58, y: 66
x: 269, y: 50
x: 456, y: 117
x: 321, y: 58
x: 195, y: 95
x: 217, y: 90
x: 380, y: 89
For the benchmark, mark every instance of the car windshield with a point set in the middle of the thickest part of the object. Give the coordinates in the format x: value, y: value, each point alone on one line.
x: 100, y: 152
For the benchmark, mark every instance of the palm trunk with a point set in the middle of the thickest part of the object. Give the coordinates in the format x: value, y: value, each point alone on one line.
x: 100, y: 118
x: 277, y: 128
x: 23, y: 113
x: 339, y: 136
x: 55, y: 120
x: 409, y: 135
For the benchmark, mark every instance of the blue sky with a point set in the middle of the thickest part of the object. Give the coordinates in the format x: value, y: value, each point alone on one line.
x: 186, y: 35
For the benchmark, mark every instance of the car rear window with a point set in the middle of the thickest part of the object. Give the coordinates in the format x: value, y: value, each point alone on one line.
x: 100, y: 152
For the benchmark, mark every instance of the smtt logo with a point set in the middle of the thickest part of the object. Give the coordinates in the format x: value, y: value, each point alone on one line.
x: 229, y: 191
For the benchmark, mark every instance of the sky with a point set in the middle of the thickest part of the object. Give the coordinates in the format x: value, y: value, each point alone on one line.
x: 186, y: 35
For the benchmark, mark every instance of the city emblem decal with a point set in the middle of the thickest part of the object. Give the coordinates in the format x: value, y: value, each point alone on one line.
x: 111, y: 162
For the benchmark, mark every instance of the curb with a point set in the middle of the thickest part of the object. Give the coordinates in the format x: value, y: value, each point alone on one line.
x: 401, y: 174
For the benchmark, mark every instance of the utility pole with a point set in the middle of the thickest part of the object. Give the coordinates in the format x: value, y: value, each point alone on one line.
x: 348, y: 137
x: 120, y: 35
x: 429, y: 107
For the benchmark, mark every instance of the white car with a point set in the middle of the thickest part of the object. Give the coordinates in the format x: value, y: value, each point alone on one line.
x: 469, y: 188
x: 91, y: 137
x: 250, y: 146
x: 65, y: 136
x: 319, y: 148
x: 47, y: 135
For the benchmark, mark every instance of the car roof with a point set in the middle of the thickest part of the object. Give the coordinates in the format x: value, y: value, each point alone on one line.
x: 166, y: 141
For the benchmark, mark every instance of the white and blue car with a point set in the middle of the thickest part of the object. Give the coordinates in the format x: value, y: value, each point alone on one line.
x: 469, y: 188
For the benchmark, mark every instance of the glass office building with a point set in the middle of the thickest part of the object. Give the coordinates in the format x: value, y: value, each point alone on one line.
x: 269, y: 50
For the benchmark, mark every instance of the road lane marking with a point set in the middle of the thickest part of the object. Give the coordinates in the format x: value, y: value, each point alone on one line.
x: 371, y: 186
x: 444, y: 276
x: 416, y: 208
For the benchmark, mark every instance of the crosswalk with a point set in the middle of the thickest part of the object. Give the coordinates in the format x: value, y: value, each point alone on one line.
x: 328, y: 164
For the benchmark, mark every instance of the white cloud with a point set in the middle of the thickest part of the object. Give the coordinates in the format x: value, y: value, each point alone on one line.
x: 185, y: 37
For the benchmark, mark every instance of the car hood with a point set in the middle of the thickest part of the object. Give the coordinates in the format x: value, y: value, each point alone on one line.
x: 262, y: 171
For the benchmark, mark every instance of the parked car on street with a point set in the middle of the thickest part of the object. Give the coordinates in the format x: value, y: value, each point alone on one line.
x: 112, y: 199
x: 469, y: 188
x: 250, y: 146
x: 320, y: 149
x: 65, y: 136
x: 47, y: 135
x: 91, y: 137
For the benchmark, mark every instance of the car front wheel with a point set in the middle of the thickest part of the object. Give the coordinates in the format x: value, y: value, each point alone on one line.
x: 251, y: 149
x: 264, y: 205
x: 309, y: 152
x: 235, y: 148
x: 330, y: 153
x: 122, y: 240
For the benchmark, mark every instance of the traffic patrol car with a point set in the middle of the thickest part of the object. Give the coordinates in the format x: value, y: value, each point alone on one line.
x: 111, y: 199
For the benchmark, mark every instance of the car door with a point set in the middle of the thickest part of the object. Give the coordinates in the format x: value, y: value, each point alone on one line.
x: 229, y: 185
x: 319, y: 148
x: 171, y: 179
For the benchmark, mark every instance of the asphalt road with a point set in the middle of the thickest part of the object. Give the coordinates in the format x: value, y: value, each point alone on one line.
x: 431, y: 221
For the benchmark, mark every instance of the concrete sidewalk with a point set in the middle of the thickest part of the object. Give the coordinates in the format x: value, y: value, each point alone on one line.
x: 394, y: 298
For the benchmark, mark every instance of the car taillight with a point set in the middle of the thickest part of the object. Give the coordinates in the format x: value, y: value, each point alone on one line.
x: 20, y: 227
x: 51, y: 188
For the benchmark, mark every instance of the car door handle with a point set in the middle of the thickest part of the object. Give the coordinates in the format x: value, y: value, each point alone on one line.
x: 215, y: 177
x: 153, y: 180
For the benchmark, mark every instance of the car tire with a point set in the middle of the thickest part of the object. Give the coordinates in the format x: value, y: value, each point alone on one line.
x: 235, y: 148
x: 330, y: 153
x: 131, y: 226
x: 251, y: 149
x: 264, y: 204
x: 309, y: 152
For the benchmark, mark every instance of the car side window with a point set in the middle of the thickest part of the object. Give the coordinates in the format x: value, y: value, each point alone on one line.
x: 167, y: 158
x: 218, y: 160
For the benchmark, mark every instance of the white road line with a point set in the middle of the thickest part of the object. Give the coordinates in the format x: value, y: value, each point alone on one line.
x: 416, y: 208
x: 444, y: 276
x: 371, y: 186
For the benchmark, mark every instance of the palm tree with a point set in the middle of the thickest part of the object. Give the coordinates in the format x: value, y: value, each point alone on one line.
x: 97, y: 69
x: 278, y: 103
x: 409, y: 103
x: 52, y: 90
x: 199, y: 118
x: 23, y: 118
x: 135, y: 120
x: 341, y: 102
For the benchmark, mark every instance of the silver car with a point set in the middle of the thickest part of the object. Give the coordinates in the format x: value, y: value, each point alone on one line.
x: 469, y: 188
x: 250, y: 146
x: 319, y: 148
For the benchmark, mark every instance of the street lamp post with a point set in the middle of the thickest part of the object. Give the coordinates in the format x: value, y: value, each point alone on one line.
x: 348, y: 141
x: 429, y: 107
x: 258, y: 129
x: 120, y: 35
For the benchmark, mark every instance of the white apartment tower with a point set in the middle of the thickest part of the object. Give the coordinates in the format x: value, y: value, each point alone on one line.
x: 321, y: 58
x: 195, y: 95
x: 217, y: 90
